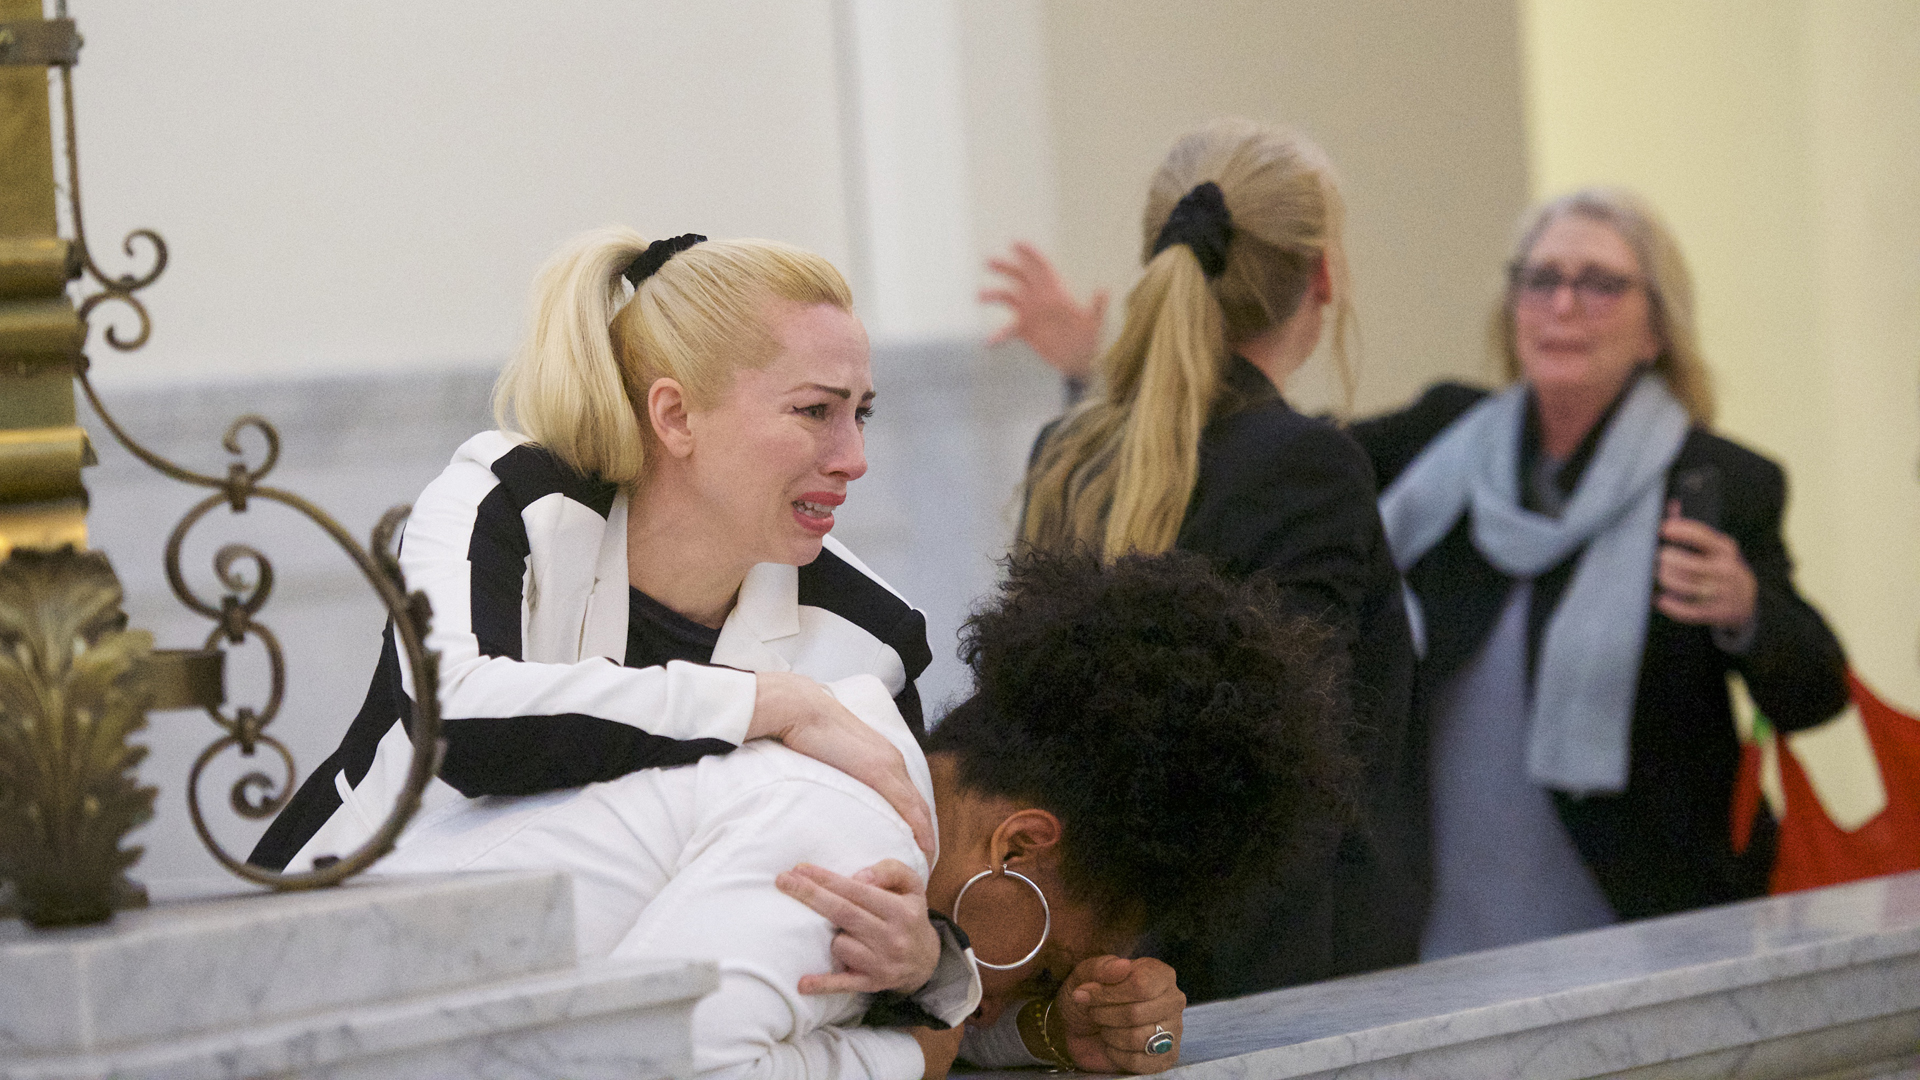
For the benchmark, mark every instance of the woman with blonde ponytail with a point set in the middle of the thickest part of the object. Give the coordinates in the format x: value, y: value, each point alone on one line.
x: 1184, y: 441
x: 635, y: 572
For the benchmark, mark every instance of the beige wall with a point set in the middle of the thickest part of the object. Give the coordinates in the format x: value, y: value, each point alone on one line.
x: 1782, y: 141
x: 1009, y: 128
x: 1419, y: 106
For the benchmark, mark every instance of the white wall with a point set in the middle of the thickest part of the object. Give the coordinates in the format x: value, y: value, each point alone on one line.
x: 1012, y: 186
x: 908, y: 178
x: 355, y: 185
x: 949, y: 154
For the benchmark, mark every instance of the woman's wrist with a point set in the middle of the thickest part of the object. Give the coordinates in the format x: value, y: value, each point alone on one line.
x: 1737, y: 639
x: 1044, y: 1033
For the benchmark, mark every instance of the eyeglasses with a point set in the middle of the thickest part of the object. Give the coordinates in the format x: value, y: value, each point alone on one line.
x: 1596, y: 290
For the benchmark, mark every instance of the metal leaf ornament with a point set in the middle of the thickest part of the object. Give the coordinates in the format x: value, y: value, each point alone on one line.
x: 68, y: 795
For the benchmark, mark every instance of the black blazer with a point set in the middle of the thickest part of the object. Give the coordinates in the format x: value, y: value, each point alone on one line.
x: 1662, y: 845
x: 1293, y: 498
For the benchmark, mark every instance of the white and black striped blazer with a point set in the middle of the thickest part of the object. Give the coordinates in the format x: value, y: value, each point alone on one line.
x: 525, y: 564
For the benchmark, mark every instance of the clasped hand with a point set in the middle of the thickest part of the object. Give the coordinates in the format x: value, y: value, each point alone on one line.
x: 808, y: 719
x: 1110, y: 1006
x: 884, y: 941
x: 1105, y: 1011
x: 1102, y: 1018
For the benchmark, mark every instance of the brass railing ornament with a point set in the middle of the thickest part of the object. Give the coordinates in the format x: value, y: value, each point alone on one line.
x: 177, y: 678
x: 66, y: 773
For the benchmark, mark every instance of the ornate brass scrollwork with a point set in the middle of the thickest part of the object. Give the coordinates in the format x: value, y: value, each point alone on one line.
x: 246, y: 575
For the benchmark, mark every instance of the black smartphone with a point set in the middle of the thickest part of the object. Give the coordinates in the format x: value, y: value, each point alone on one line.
x: 1699, y: 494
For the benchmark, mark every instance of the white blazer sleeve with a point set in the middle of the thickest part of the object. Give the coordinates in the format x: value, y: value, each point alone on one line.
x: 723, y: 902
x: 516, y: 725
x: 453, y: 530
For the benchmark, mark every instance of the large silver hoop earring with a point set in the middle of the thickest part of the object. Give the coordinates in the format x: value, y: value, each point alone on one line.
x: 1045, y: 909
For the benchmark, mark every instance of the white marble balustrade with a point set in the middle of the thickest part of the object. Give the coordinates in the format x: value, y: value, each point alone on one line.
x: 1822, y: 984
x: 423, y: 978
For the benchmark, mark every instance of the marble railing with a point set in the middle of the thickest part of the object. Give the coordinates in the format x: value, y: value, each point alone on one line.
x: 430, y: 978
x: 474, y: 975
x: 1821, y: 984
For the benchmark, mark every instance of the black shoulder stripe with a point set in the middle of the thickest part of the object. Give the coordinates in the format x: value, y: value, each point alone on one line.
x: 497, y: 556
x: 317, y: 799
x: 531, y: 473
x: 832, y: 583
x: 908, y: 702
x: 498, y: 548
x: 527, y: 755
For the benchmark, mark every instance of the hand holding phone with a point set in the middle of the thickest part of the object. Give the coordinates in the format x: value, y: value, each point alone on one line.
x: 1703, y: 578
x: 1698, y: 491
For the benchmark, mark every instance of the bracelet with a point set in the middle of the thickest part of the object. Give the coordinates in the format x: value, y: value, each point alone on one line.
x: 1046, y: 1036
x: 1038, y: 1013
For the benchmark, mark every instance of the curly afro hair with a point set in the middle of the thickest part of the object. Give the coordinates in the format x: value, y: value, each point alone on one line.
x: 1187, y: 734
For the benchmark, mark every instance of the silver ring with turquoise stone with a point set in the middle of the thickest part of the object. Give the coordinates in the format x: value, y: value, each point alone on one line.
x: 1161, y: 1041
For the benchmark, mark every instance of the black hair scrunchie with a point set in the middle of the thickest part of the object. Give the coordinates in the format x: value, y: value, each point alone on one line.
x: 651, y: 260
x: 1200, y: 220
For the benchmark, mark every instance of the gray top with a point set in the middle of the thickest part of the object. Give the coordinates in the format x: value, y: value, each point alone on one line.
x: 1504, y: 869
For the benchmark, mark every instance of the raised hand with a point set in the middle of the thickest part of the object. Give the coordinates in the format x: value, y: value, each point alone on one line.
x: 1062, y: 331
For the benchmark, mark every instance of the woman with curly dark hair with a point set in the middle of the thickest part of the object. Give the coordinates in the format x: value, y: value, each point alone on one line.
x: 1145, y: 742
x: 1144, y: 738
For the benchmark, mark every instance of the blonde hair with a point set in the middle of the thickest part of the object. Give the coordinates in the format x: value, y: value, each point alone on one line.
x: 1664, y: 270
x: 594, y: 347
x: 1119, y: 474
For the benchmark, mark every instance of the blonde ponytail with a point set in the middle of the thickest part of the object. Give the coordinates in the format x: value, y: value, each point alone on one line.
x: 1118, y: 477
x: 1119, y: 473
x: 565, y: 389
x: 578, y: 384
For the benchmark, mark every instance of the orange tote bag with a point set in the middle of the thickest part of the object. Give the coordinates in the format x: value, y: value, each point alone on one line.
x: 1813, y: 849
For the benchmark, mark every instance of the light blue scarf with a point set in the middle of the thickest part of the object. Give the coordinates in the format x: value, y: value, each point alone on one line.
x: 1589, y: 665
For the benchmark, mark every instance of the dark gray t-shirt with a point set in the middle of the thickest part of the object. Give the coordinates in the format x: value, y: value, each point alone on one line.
x: 657, y: 634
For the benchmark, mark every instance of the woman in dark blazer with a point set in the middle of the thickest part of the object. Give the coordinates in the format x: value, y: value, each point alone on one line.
x: 1186, y: 442
x: 1583, y: 743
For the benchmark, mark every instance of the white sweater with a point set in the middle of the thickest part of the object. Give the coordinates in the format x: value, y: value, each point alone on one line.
x: 679, y: 863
